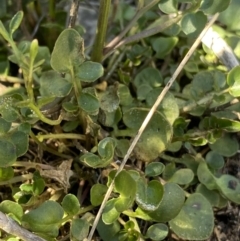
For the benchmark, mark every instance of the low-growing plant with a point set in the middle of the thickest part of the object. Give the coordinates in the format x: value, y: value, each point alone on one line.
x: 71, y: 117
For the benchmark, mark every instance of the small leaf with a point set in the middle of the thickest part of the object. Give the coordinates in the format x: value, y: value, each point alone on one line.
x: 33, y: 50
x: 92, y: 160
x: 195, y: 220
x: 233, y: 80
x: 79, y: 229
x: 110, y: 213
x: 4, y: 32
x: 108, y: 232
x: 38, y: 184
x: 71, y: 204
x: 149, y: 195
x: 154, y: 169
x: 226, y: 146
x: 157, y: 232
x: 15, y: 22
x: 214, y: 160
x: 211, y: 7
x: 230, y: 187
x: 168, y: 7
x: 52, y: 84
x: 193, y: 23
x: 4, y: 126
x: 68, y: 52
x: 170, y: 206
x: 7, y: 153
x: 98, y: 192
x: 10, y: 207
x: 88, y: 103
x: 46, y: 218
x: 182, y: 176
x: 20, y: 141
x: 89, y: 71
x: 6, y: 173
x: 164, y: 45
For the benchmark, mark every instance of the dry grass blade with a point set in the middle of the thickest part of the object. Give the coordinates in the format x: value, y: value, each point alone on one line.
x: 149, y: 116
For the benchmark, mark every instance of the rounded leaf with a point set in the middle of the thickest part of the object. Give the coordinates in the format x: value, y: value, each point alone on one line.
x: 155, y: 137
x: 226, y: 146
x: 214, y: 160
x: 154, y: 169
x: 193, y: 23
x: 182, y: 176
x: 79, y: 229
x: 168, y: 6
x: 195, y: 220
x: 4, y: 126
x: 97, y: 194
x: 157, y: 232
x: 10, y: 207
x: 68, y: 52
x: 171, y: 204
x: 7, y: 153
x: 211, y: 6
x: 71, y: 204
x: 233, y: 80
x: 88, y: 103
x: 149, y: 195
x: 89, y: 71
x: 15, y: 22
x: 52, y: 84
x: 110, y: 213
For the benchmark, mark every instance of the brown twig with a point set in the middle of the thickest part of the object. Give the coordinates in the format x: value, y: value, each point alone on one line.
x: 73, y: 13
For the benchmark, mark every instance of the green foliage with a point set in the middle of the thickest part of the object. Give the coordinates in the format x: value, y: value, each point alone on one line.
x: 61, y: 106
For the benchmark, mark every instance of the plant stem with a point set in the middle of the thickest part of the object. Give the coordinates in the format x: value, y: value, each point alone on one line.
x: 97, y: 51
x: 42, y: 117
x: 16, y: 179
x: 61, y: 136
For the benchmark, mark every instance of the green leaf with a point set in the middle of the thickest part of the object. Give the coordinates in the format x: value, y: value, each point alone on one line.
x: 157, y: 232
x: 149, y: 195
x: 97, y: 194
x: 7, y: 153
x: 89, y: 103
x: 4, y: 32
x: 164, y: 45
x: 214, y: 160
x: 89, y: 71
x: 168, y: 6
x: 46, y: 218
x: 182, y: 176
x: 230, y: 16
x: 109, y: 99
x: 15, y: 22
x: 195, y: 220
x: 11, y: 208
x: 20, y: 141
x: 168, y: 107
x: 4, y: 126
x: 108, y: 232
x: 193, y: 23
x: 38, y: 184
x: 71, y: 204
x: 52, y: 84
x: 79, y: 229
x: 92, y: 160
x: 68, y: 52
x: 211, y: 7
x: 110, y: 213
x: 147, y: 78
x: 154, y: 169
x: 156, y: 136
x: 6, y: 173
x: 126, y: 186
x: 106, y: 148
x: 226, y: 146
x: 33, y: 50
x: 230, y: 187
x: 170, y: 206
x: 233, y: 80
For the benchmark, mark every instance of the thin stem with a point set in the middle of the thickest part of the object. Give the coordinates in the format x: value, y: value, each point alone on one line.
x: 42, y: 117
x: 16, y: 179
x: 131, y: 24
x: 11, y: 79
x: 104, y: 9
x: 62, y: 136
x: 144, y: 34
x: 73, y: 13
